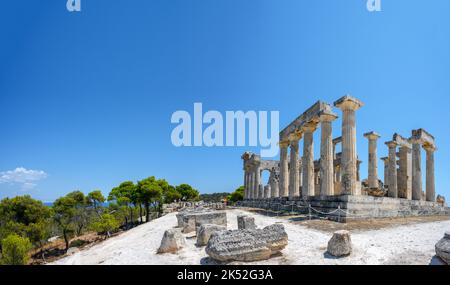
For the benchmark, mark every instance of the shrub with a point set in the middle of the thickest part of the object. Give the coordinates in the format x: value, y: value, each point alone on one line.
x: 15, y: 250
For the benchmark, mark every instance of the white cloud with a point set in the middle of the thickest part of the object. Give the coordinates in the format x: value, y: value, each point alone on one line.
x: 25, y: 178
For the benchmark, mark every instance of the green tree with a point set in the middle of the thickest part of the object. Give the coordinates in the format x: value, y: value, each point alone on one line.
x: 171, y: 195
x: 15, y: 250
x: 25, y: 216
x: 95, y: 199
x: 237, y: 195
x: 124, y: 195
x: 150, y: 191
x: 82, y: 216
x: 187, y: 192
x: 65, y: 216
x: 106, y: 224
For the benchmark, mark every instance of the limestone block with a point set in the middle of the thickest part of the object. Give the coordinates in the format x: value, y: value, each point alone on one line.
x: 443, y: 248
x: 246, y: 222
x: 205, y: 231
x: 247, y: 245
x: 172, y: 241
x: 340, y: 244
x: 192, y: 220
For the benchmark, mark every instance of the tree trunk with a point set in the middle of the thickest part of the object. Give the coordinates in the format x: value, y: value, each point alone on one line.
x: 147, y: 212
x: 66, y: 239
x: 140, y: 213
x: 131, y: 216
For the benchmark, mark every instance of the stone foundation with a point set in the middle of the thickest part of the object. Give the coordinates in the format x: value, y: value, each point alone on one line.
x: 352, y: 207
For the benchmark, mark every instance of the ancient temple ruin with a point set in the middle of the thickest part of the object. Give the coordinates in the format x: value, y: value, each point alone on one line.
x: 333, y: 180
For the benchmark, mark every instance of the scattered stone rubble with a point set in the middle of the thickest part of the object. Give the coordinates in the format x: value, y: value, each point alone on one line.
x: 172, y: 241
x: 443, y: 248
x: 180, y: 206
x: 340, y: 244
x: 191, y: 220
x: 247, y: 245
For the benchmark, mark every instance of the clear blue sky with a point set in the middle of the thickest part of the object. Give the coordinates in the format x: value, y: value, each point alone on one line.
x: 86, y: 98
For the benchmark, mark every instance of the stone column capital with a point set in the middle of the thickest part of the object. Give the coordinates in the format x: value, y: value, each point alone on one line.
x: 372, y: 136
x: 327, y: 116
x: 391, y: 144
x: 348, y: 103
x: 309, y: 127
x: 295, y: 137
x: 429, y: 148
x: 283, y: 144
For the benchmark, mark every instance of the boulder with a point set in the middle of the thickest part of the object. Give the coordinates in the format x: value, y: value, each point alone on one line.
x: 340, y: 244
x: 247, y: 245
x: 443, y: 248
x: 246, y: 222
x: 205, y: 231
x: 172, y: 241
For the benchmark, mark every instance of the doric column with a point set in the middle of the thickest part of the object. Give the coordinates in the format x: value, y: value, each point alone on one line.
x: 308, y: 159
x: 294, y: 181
x: 405, y: 173
x: 284, y: 169
x: 245, y: 184
x: 267, y: 191
x: 251, y: 183
x: 393, y: 192
x: 373, y: 160
x: 326, y: 154
x: 416, y: 170
x: 274, y: 186
x: 386, y: 171
x: 349, y: 105
x: 257, y: 185
x: 430, y: 190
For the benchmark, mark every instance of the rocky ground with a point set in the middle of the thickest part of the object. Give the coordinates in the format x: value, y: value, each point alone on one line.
x: 394, y: 241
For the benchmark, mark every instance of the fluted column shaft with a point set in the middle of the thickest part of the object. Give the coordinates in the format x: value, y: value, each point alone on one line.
x: 251, y: 176
x: 245, y: 184
x: 257, y: 183
x: 284, y: 169
x: 373, y: 160
x: 386, y: 171
x: 416, y: 171
x: 326, y: 155
x: 430, y: 184
x: 404, y: 184
x: 349, y: 152
x: 393, y: 192
x: 349, y: 105
x: 308, y: 162
x: 294, y: 185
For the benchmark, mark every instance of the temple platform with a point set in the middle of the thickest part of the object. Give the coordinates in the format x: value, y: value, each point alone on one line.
x: 343, y: 208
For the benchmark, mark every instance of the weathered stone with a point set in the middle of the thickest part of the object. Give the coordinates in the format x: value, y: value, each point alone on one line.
x: 440, y: 200
x: 172, y: 241
x: 443, y: 248
x: 247, y: 245
x: 205, y: 231
x: 340, y: 244
x: 192, y: 220
x: 246, y: 222
x: 375, y: 192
